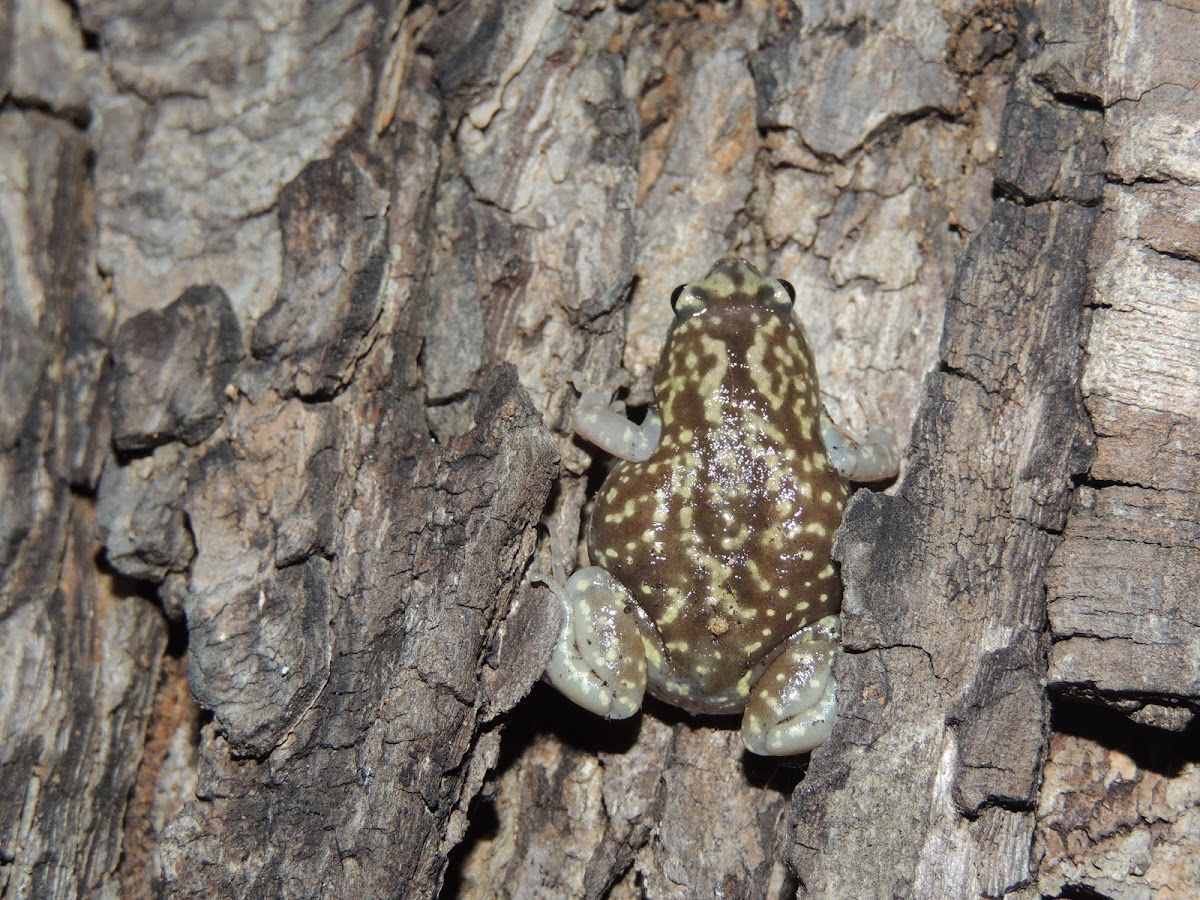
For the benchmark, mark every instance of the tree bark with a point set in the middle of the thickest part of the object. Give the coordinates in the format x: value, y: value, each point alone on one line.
x: 295, y: 302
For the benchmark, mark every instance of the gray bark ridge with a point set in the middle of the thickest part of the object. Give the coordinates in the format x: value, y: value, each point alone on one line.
x: 380, y: 751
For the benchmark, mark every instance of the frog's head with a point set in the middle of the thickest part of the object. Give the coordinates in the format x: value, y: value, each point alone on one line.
x: 732, y: 282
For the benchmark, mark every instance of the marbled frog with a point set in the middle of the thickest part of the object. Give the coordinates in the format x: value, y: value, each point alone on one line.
x: 712, y: 584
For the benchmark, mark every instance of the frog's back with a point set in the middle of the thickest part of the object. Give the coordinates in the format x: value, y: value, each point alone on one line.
x: 724, y: 534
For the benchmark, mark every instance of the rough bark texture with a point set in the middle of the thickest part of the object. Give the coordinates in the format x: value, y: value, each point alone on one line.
x: 294, y: 303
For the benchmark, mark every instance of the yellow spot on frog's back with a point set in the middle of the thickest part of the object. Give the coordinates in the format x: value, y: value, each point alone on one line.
x: 713, y: 376
x: 743, y: 685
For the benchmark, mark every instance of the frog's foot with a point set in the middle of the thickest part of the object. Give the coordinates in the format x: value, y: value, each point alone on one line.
x: 598, y: 420
x: 875, y: 459
x: 598, y: 662
x: 792, y: 705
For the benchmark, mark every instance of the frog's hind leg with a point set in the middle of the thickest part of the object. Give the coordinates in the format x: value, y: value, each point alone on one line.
x: 793, y: 703
x: 599, y: 662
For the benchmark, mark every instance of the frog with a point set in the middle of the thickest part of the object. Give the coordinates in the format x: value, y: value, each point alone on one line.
x: 712, y: 585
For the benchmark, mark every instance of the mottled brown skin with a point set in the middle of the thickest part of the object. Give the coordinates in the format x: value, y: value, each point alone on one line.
x: 723, y: 535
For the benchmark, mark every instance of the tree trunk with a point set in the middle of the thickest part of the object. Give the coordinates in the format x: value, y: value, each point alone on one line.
x: 295, y: 302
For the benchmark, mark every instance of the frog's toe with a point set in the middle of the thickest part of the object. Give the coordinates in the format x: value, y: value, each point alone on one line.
x: 598, y: 661
x: 793, y: 704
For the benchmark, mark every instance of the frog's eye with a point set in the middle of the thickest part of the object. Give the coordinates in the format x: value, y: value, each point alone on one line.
x: 687, y: 301
x: 779, y: 294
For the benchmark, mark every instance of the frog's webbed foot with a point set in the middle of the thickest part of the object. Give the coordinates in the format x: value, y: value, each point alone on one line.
x: 599, y: 662
x: 603, y: 423
x: 875, y: 459
x: 793, y: 704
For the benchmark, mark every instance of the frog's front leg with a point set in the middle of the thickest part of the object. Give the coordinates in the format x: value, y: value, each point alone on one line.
x: 792, y: 705
x: 875, y: 459
x: 599, y: 661
x: 608, y: 429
